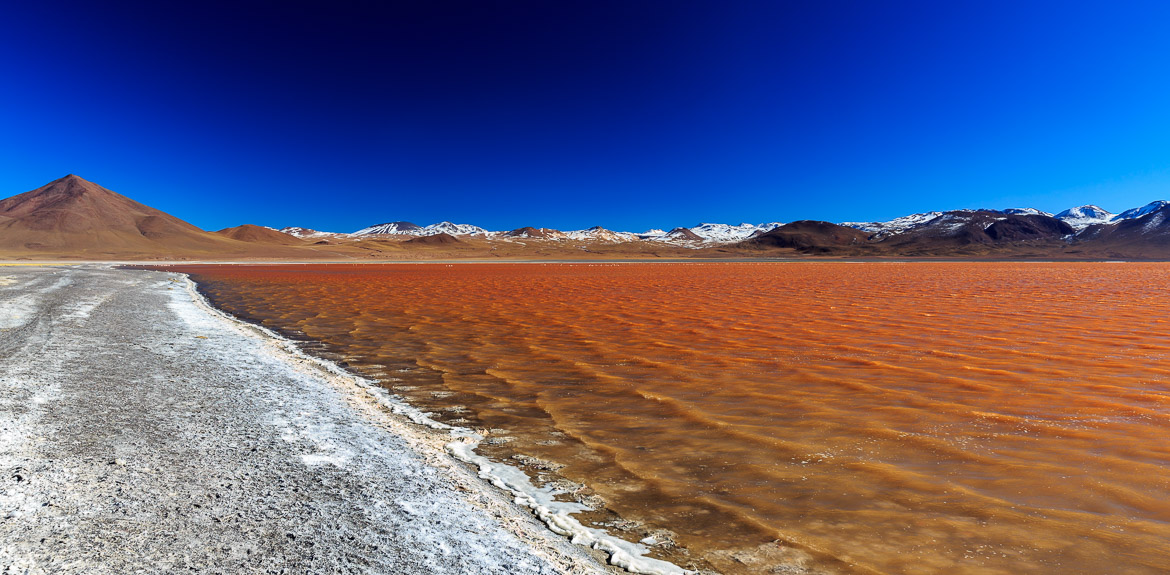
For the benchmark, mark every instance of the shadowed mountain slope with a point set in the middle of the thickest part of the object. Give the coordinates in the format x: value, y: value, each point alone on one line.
x: 1147, y: 236
x: 812, y: 237
x: 980, y: 233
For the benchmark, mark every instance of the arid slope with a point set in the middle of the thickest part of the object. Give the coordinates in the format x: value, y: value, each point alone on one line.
x: 260, y: 235
x: 72, y: 218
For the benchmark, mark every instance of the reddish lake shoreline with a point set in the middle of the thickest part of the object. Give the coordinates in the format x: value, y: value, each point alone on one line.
x: 914, y: 418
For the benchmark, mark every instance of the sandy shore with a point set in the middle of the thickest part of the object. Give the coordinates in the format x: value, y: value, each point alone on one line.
x: 140, y: 432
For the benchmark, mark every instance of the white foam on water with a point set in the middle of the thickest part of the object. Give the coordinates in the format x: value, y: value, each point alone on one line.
x: 558, y: 514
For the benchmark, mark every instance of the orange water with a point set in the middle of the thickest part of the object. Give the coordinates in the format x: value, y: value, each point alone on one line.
x: 781, y: 417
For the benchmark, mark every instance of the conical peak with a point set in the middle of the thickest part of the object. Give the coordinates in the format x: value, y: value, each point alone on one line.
x: 71, y: 185
x: 78, y: 208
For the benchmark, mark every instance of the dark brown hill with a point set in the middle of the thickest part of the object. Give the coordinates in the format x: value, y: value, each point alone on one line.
x: 260, y: 235
x: 945, y: 234
x: 812, y: 237
x: 684, y: 234
x: 1028, y: 227
x: 440, y: 239
x: 956, y: 233
x: 980, y: 233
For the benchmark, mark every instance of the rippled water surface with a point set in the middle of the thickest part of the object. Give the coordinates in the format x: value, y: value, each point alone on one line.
x: 780, y: 417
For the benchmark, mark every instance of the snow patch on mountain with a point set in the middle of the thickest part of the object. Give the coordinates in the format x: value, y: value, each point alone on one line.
x: 453, y: 229
x: 1025, y: 212
x: 1079, y: 218
x: 531, y: 233
x: 600, y: 234
x: 1135, y: 213
x: 306, y: 233
x: 1155, y: 223
x: 390, y: 228
x: 1082, y: 217
x: 954, y: 221
x: 896, y: 225
x: 411, y: 229
x: 728, y: 233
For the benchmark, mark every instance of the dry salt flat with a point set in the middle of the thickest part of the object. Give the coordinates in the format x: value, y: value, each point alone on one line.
x: 142, y: 432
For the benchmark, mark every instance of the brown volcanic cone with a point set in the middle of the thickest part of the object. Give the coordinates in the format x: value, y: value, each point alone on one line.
x: 260, y: 235
x: 76, y: 218
x: 684, y: 234
x: 435, y: 240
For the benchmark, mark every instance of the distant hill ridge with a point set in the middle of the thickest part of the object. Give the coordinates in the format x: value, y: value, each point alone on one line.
x: 1078, y: 218
x: 72, y: 215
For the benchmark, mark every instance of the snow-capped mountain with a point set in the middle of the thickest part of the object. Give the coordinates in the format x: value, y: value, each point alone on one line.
x: 706, y: 232
x: 412, y: 229
x: 955, y: 221
x: 453, y: 229
x: 531, y: 233
x: 936, y: 223
x: 1025, y: 212
x: 390, y: 228
x: 1082, y: 217
x: 681, y: 235
x: 729, y: 233
x: 1145, y: 232
x: 600, y: 234
x: 306, y: 233
x: 1139, y: 212
x: 894, y: 226
x: 944, y: 223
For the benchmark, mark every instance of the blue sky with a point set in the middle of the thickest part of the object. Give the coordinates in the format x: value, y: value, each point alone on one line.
x: 630, y: 115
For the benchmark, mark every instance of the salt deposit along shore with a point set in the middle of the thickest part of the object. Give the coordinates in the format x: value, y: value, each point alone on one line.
x: 142, y: 432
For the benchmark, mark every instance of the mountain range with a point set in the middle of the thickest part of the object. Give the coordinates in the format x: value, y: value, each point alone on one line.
x: 73, y: 218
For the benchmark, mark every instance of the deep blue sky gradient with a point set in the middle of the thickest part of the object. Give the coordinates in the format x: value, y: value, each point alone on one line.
x: 628, y: 114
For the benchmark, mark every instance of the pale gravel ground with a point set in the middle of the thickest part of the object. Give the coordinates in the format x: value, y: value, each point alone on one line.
x: 141, y: 433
